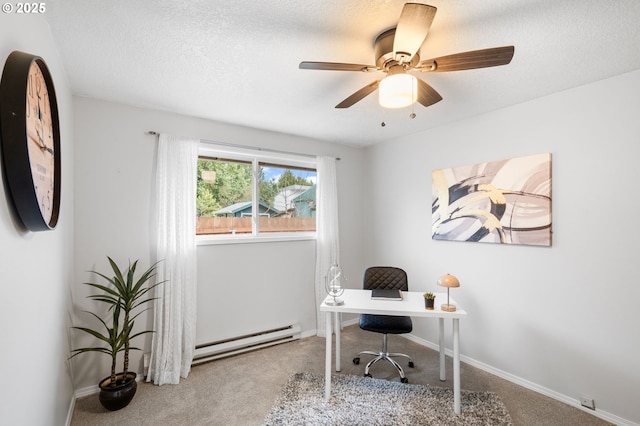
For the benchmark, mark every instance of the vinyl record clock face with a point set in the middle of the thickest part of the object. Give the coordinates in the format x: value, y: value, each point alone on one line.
x: 31, y: 140
x: 40, y: 135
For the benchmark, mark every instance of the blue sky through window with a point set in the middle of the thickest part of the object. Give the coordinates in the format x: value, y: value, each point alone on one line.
x: 273, y: 173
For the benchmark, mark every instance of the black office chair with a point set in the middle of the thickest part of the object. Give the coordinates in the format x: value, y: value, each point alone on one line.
x: 390, y: 278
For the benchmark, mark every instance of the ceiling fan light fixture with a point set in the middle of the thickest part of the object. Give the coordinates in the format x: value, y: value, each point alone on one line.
x: 397, y: 52
x: 398, y: 91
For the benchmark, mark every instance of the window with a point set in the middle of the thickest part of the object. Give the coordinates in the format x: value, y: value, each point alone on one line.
x: 248, y: 194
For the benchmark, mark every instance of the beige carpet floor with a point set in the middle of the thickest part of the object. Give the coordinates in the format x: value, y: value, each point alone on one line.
x: 241, y: 390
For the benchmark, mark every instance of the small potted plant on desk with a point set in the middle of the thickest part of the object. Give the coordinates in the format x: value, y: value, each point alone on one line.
x: 123, y: 293
x: 429, y: 299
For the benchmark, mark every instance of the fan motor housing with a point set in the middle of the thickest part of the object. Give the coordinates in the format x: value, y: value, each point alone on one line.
x: 384, y: 54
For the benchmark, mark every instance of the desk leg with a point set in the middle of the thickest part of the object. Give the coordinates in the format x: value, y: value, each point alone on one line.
x: 338, y: 327
x: 327, y: 360
x: 443, y: 368
x: 456, y: 366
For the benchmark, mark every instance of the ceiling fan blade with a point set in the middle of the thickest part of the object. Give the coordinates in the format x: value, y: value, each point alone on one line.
x: 413, y: 27
x: 427, y: 95
x: 359, y: 95
x: 334, y: 66
x: 484, y: 58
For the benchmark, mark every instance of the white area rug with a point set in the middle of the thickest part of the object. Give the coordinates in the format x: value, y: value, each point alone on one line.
x: 367, y: 401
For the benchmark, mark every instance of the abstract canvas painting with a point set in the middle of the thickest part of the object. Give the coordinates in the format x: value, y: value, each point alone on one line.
x: 507, y: 202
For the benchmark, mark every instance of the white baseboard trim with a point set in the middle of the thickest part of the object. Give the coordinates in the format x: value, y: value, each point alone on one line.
x: 605, y: 415
x: 309, y: 333
x: 89, y: 390
x: 350, y: 322
x: 81, y: 393
x: 72, y: 407
x: 323, y: 334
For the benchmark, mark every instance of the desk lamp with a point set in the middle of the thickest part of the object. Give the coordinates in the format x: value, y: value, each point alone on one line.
x: 448, y: 281
x: 333, y: 285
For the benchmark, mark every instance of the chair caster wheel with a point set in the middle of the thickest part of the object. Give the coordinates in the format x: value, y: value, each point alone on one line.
x: 368, y: 375
x: 404, y: 380
x: 410, y: 364
x: 356, y: 360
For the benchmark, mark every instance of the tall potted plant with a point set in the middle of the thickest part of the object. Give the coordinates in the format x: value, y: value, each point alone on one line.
x: 124, y: 294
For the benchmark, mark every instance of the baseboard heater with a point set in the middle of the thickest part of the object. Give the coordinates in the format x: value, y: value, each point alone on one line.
x: 236, y: 345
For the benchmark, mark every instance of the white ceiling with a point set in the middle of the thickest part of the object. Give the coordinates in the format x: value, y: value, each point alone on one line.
x: 237, y: 61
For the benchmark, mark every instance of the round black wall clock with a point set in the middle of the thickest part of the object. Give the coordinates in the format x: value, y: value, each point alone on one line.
x: 30, y: 134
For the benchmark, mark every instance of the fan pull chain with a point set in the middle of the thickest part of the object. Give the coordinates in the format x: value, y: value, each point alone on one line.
x: 413, y: 105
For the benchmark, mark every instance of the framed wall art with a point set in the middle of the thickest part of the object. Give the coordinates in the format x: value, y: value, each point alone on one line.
x: 506, y: 202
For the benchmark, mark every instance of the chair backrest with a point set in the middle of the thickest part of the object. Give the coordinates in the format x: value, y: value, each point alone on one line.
x: 385, y: 277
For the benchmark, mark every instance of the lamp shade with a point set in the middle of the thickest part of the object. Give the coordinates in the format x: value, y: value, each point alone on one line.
x: 448, y: 281
x: 398, y: 90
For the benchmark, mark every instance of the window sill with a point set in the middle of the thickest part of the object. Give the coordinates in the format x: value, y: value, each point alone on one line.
x: 206, y: 240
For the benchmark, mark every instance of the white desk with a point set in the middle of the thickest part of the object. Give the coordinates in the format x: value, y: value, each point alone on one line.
x: 359, y: 302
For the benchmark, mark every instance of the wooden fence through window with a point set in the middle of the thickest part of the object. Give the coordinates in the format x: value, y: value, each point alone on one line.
x: 242, y: 225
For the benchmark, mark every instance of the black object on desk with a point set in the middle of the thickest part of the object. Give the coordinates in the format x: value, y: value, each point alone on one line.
x: 386, y: 294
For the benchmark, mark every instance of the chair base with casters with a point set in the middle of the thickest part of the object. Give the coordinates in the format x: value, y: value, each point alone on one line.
x: 384, y: 355
x: 385, y: 325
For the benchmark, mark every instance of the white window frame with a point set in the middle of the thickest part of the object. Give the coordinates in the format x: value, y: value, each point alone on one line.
x: 255, y: 156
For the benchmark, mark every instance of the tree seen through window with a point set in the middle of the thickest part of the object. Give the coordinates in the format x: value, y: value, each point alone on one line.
x: 224, y: 197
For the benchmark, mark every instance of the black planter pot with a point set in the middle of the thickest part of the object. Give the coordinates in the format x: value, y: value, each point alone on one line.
x: 428, y: 303
x: 119, y: 396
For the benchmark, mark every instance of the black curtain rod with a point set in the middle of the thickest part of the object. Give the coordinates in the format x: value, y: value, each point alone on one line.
x: 154, y: 133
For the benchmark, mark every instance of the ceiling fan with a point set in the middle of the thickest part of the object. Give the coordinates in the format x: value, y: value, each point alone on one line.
x: 396, y: 54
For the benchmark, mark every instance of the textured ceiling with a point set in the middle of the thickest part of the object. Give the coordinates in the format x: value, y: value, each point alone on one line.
x: 237, y: 61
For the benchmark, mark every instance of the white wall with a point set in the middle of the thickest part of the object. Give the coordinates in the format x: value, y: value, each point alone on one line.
x: 36, y: 267
x: 564, y: 317
x: 272, y: 284
x: 114, y: 182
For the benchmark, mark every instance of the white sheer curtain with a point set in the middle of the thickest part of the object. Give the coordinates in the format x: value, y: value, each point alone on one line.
x: 328, y: 241
x: 175, y: 307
